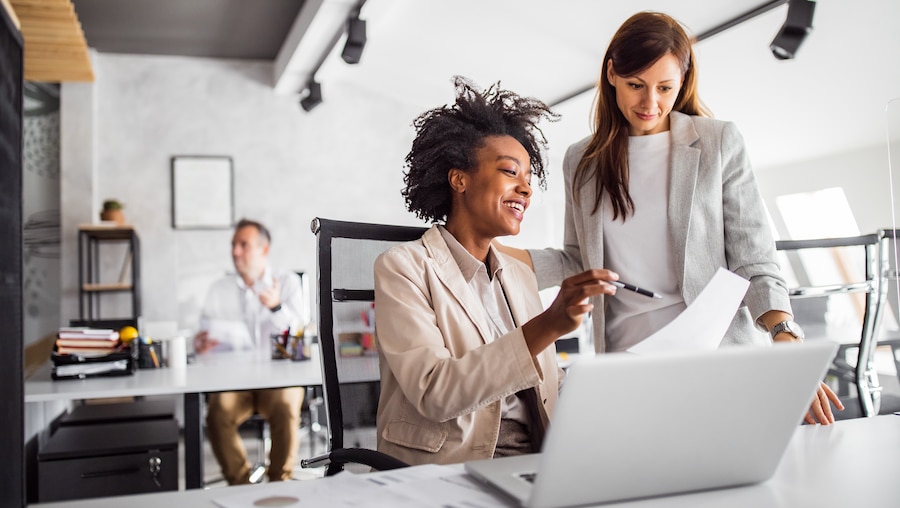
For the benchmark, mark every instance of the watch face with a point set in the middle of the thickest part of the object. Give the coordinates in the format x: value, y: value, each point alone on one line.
x: 794, y: 329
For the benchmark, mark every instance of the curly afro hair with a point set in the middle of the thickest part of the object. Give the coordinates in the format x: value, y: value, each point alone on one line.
x: 448, y: 138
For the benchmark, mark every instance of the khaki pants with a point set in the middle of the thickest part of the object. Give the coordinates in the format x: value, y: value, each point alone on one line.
x: 280, y: 407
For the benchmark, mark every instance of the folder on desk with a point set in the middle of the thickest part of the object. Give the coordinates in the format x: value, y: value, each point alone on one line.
x: 73, y: 366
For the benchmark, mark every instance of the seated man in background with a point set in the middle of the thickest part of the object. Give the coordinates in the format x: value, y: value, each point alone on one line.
x: 241, y: 312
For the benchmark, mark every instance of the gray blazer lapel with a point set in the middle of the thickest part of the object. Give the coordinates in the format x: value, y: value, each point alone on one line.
x: 682, y: 181
x: 448, y: 272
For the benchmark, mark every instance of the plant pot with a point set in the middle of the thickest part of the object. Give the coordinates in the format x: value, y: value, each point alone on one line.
x: 113, y: 215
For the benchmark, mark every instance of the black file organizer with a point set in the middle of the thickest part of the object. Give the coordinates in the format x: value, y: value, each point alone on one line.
x: 129, y: 355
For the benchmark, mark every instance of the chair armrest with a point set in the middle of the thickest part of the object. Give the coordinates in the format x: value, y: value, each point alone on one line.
x: 374, y: 459
x: 835, y: 289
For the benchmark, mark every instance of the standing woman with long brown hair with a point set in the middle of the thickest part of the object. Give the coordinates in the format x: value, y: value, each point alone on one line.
x: 663, y: 195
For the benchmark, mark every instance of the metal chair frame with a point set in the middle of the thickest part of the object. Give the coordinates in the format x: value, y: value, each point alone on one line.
x: 863, y: 375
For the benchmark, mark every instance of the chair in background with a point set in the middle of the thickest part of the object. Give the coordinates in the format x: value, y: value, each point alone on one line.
x: 346, y: 253
x: 890, y: 292
x: 862, y: 373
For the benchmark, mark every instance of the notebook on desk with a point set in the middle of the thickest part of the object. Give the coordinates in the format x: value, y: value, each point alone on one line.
x: 629, y: 426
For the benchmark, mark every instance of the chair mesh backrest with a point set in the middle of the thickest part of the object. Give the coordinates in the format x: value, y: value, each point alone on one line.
x: 346, y: 253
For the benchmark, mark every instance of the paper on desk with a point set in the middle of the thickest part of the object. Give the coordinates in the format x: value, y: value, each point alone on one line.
x: 231, y: 334
x: 418, y: 486
x: 704, y: 322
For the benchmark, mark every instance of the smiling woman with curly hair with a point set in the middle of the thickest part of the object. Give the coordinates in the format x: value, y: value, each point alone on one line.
x: 468, y: 365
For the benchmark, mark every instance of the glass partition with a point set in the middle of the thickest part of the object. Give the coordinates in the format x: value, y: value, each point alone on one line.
x: 891, y: 256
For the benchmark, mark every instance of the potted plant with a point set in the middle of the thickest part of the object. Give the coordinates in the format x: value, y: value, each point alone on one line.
x: 112, y: 211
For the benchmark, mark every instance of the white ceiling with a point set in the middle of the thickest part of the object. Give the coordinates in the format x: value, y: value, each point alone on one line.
x: 830, y: 99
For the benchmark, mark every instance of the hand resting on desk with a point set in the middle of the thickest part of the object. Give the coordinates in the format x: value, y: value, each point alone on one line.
x: 220, y: 335
x: 204, y: 343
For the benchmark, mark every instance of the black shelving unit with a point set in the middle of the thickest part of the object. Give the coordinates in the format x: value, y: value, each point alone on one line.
x: 90, y: 285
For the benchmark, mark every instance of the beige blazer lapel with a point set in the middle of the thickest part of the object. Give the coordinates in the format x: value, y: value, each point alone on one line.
x: 509, y: 278
x: 685, y: 163
x: 448, y: 272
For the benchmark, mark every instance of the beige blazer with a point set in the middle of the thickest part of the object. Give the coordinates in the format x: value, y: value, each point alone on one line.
x: 441, y: 381
x: 716, y: 218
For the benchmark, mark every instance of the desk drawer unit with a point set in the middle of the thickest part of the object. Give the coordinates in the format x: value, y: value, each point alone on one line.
x: 109, y: 460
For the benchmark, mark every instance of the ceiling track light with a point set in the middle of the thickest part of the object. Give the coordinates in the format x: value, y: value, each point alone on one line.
x: 313, y: 96
x: 356, y: 39
x: 795, y: 29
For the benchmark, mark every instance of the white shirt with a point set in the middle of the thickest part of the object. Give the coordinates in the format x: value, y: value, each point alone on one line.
x: 234, y: 316
x: 489, y: 292
x: 639, y: 249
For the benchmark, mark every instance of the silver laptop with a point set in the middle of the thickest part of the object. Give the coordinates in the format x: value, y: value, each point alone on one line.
x: 629, y: 426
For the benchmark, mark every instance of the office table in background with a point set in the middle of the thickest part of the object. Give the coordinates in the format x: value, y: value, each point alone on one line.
x: 851, y: 463
x: 213, y: 372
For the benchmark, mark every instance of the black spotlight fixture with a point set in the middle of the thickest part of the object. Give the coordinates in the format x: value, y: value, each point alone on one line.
x: 356, y: 40
x: 796, y: 27
x: 313, y: 96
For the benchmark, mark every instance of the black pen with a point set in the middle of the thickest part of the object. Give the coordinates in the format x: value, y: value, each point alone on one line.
x: 640, y: 291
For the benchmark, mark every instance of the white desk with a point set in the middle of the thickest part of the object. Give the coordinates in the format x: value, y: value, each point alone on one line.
x: 214, y: 372
x: 851, y: 463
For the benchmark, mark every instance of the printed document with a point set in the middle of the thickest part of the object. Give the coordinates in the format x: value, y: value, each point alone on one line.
x: 704, y: 322
x: 232, y: 335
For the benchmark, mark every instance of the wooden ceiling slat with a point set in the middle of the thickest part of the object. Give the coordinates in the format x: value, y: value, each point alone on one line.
x: 55, y: 46
x: 45, y: 11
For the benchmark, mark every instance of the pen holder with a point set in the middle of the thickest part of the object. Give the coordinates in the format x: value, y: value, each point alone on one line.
x: 281, y: 344
x: 289, y: 347
x: 149, y: 355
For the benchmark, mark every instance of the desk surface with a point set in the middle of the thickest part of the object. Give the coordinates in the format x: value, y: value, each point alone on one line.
x: 214, y: 372
x: 851, y: 463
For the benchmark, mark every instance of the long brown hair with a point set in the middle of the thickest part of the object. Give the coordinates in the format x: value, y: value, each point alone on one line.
x: 641, y: 40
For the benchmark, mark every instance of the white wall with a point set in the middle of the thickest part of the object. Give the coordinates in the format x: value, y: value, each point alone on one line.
x: 343, y: 161
x: 863, y: 174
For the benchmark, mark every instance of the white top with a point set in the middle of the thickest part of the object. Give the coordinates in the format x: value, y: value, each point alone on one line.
x: 235, y: 317
x: 236, y: 370
x: 639, y: 249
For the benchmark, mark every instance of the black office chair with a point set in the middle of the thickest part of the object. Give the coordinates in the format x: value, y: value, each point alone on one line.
x: 346, y: 253
x: 862, y: 373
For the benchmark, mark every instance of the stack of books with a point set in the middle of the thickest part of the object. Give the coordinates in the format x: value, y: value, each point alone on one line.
x: 86, y: 352
x: 86, y: 341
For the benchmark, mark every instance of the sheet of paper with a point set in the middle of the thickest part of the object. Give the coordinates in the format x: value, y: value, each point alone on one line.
x: 382, y: 489
x: 231, y: 334
x: 704, y: 322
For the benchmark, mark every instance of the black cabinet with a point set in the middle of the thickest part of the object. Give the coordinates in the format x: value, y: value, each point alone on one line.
x: 113, y: 276
x: 109, y: 459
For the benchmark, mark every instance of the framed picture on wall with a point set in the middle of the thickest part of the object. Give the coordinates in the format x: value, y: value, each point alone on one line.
x: 202, y: 192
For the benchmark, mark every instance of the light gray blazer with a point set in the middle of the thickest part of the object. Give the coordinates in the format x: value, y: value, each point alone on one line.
x: 716, y: 219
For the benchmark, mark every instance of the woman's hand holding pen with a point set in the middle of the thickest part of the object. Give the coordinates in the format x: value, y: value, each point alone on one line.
x: 568, y: 309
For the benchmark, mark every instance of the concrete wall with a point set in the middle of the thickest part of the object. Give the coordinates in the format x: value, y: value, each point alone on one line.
x: 341, y: 161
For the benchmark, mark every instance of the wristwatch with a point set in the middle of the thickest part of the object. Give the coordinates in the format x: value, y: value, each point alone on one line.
x: 790, y: 327
x: 276, y: 308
